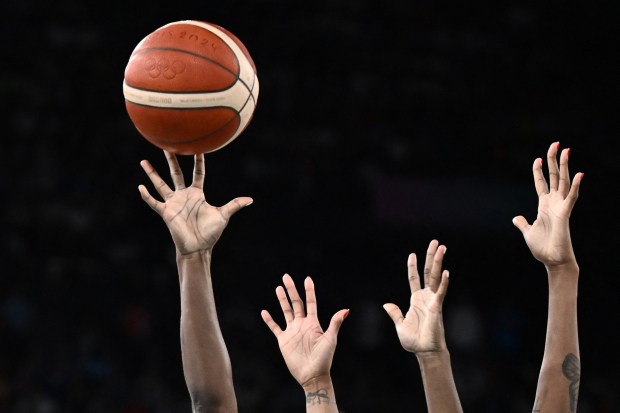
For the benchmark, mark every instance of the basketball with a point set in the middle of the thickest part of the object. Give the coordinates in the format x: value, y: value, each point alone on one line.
x: 190, y: 87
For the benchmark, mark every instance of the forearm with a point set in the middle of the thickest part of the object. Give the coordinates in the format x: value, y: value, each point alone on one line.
x: 439, y: 387
x: 558, y: 383
x: 320, y: 396
x: 206, y: 364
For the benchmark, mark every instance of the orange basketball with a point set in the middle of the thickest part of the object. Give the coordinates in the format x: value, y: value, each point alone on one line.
x: 190, y: 87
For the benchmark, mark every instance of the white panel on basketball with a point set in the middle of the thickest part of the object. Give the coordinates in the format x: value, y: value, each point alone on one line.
x: 244, y: 116
x: 235, y: 97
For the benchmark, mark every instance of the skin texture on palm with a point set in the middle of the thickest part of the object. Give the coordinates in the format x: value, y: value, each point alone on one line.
x: 421, y: 329
x: 195, y: 227
x: 549, y: 241
x: 307, y: 350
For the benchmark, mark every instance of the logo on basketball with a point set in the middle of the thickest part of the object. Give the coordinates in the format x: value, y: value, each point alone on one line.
x: 163, y: 67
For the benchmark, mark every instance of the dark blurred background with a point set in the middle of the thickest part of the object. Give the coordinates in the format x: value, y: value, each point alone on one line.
x: 380, y: 125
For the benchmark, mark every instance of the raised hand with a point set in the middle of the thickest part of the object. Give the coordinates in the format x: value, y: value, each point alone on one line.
x: 421, y: 329
x: 548, y: 237
x: 307, y: 350
x: 549, y: 240
x: 194, y: 224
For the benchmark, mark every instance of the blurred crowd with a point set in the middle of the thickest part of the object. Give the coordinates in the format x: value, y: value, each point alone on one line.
x: 380, y: 125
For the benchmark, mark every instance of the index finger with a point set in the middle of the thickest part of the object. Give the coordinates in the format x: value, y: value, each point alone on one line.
x: 540, y: 183
x: 160, y: 185
x: 412, y: 272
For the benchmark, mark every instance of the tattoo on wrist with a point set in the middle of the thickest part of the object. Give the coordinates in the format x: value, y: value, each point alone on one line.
x: 317, y: 397
x: 571, y: 368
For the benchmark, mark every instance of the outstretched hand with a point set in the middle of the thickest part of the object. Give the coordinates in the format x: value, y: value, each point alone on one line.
x: 307, y: 350
x: 548, y: 237
x: 194, y: 224
x: 421, y: 329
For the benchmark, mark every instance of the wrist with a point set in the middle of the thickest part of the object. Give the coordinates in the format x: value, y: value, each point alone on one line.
x: 563, y: 279
x: 433, y: 357
x: 570, y: 268
x: 317, y: 383
x: 194, y: 255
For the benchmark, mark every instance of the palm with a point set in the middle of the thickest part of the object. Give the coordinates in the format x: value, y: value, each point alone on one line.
x: 422, y: 328
x: 548, y: 238
x: 194, y: 224
x: 306, y: 349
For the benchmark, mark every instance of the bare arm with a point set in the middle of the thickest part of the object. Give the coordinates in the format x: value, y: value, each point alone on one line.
x: 548, y: 238
x: 421, y: 330
x: 195, y: 227
x: 306, y: 349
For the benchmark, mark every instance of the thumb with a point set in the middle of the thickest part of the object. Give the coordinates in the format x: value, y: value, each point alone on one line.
x: 394, y: 312
x: 336, y: 322
x: 235, y: 205
x: 521, y: 223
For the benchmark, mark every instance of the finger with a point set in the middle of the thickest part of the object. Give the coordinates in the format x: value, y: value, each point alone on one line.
x: 443, y: 286
x: 412, y: 272
x: 540, y: 183
x: 574, y: 191
x: 428, y: 263
x: 564, y: 185
x: 435, y: 276
x: 285, y: 305
x: 521, y: 223
x: 394, y: 312
x: 273, y: 326
x: 175, y: 171
x: 310, y: 297
x: 298, y: 305
x: 336, y: 322
x: 160, y: 185
x: 552, y: 165
x: 199, y: 171
x: 235, y: 205
x: 152, y: 202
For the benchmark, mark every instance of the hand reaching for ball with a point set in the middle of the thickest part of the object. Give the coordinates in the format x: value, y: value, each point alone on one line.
x: 194, y: 224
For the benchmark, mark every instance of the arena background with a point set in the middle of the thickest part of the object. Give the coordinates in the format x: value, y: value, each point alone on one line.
x: 380, y: 126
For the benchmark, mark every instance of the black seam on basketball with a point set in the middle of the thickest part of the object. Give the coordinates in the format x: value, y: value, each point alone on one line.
x: 215, y: 62
x: 192, y: 108
x: 180, y: 92
x: 236, y: 76
x: 203, y: 136
x: 192, y: 23
x: 246, y: 102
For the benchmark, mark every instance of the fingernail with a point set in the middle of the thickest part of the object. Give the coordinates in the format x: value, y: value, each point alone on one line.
x: 249, y: 203
x: 345, y: 315
x: 568, y: 153
x: 447, y: 274
x: 558, y: 145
